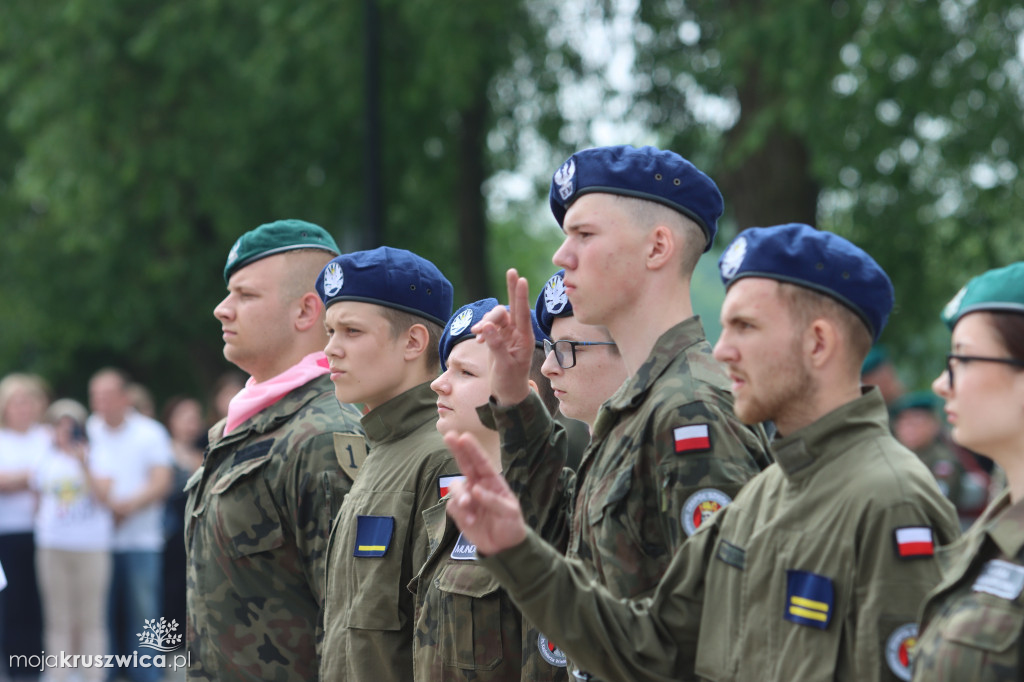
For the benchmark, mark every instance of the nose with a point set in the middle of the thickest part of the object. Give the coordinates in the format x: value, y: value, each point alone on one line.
x: 440, y: 384
x: 723, y: 351
x: 223, y: 311
x: 941, y: 386
x: 563, y: 257
x: 550, y: 368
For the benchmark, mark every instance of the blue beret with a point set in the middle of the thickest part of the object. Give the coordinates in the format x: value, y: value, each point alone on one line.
x: 277, y: 237
x: 394, y: 278
x: 552, y: 302
x: 645, y: 173
x: 457, y: 329
x: 539, y: 334
x: 818, y: 260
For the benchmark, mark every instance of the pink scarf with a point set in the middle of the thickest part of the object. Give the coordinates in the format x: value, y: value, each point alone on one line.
x: 256, y: 397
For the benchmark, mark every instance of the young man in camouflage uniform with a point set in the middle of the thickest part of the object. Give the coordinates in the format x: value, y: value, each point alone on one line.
x: 666, y: 449
x: 817, y: 568
x: 385, y: 312
x: 259, y: 510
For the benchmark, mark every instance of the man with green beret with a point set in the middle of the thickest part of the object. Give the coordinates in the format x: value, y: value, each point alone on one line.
x: 816, y: 569
x: 259, y: 510
x: 386, y: 309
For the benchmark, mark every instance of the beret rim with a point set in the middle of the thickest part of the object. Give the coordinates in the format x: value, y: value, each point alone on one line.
x: 990, y: 307
x: 847, y: 303
x: 636, y: 194
x: 241, y: 263
x: 384, y: 304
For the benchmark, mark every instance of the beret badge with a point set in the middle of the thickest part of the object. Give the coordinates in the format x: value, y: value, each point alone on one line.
x: 461, y: 321
x: 733, y: 257
x: 564, y: 179
x: 334, y: 278
x: 555, y: 297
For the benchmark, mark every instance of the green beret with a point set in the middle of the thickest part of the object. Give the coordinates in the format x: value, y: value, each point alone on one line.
x: 277, y: 237
x: 916, y: 400
x: 877, y: 356
x: 999, y: 290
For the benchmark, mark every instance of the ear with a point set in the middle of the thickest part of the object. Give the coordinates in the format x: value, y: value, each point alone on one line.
x: 310, y: 311
x: 821, y: 342
x: 661, y: 247
x: 417, y: 342
x: 533, y: 386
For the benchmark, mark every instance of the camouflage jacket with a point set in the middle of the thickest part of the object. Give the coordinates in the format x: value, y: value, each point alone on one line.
x: 814, y: 572
x: 973, y: 622
x: 257, y: 521
x: 380, y: 540
x: 467, y: 627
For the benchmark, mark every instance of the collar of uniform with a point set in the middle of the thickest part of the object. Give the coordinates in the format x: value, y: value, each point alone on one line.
x: 282, y: 410
x: 832, y: 435
x: 666, y: 349
x: 401, y: 415
x: 1006, y: 521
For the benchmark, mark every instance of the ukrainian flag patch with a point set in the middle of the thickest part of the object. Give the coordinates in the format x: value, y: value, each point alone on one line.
x: 373, y: 535
x: 810, y: 599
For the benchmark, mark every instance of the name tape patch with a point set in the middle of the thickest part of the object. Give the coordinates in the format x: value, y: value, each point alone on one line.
x: 464, y: 550
x: 1000, y: 578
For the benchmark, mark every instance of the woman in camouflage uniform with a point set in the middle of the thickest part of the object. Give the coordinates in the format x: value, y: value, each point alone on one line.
x: 972, y: 622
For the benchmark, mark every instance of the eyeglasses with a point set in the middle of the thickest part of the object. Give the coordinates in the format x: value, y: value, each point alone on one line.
x: 565, y: 351
x: 974, y: 358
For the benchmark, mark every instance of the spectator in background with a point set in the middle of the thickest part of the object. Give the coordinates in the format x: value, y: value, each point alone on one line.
x: 183, y: 417
x: 916, y: 424
x: 226, y: 388
x: 878, y: 370
x: 142, y: 400
x: 73, y: 533
x: 23, y: 440
x: 135, y: 451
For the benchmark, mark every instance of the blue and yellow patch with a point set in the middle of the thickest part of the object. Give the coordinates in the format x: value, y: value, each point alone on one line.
x: 810, y: 599
x: 373, y: 535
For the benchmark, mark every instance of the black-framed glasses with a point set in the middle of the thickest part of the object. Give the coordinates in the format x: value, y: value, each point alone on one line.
x: 976, y: 358
x: 565, y: 350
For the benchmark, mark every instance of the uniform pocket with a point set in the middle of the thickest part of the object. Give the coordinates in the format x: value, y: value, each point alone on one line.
x: 470, y: 622
x: 373, y: 576
x: 990, y: 627
x: 245, y: 509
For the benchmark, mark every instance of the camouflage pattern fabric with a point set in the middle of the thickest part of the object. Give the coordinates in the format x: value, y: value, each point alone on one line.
x: 380, y: 541
x: 257, y: 522
x: 802, y: 577
x: 973, y: 622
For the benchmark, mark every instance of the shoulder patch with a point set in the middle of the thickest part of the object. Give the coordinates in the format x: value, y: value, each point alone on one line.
x: 899, y: 649
x: 692, y: 438
x: 373, y: 536
x: 444, y: 484
x: 1001, y: 579
x: 549, y: 652
x: 809, y: 599
x: 699, y: 507
x: 463, y: 550
x: 351, y: 450
x: 913, y: 542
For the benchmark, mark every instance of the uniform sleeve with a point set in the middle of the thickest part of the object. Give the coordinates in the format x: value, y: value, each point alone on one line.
x: 315, y: 491
x: 440, y: 465
x: 648, y: 639
x: 534, y: 448
x: 896, y: 568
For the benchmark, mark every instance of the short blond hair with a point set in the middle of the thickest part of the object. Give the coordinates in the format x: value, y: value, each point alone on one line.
x: 34, y: 384
x: 648, y: 214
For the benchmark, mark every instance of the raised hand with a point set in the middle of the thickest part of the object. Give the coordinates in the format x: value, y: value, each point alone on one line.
x: 508, y: 334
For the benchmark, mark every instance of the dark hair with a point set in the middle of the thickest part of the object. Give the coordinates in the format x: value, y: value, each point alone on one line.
x: 1010, y: 329
x: 547, y: 394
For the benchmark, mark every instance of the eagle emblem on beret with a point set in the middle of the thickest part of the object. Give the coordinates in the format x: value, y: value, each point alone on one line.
x: 233, y: 254
x: 461, y: 321
x: 733, y: 257
x: 334, y: 278
x: 564, y: 179
x: 555, y: 297
x: 954, y: 304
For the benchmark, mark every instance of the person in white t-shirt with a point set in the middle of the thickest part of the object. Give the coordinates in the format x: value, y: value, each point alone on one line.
x: 73, y: 533
x: 135, y: 452
x: 23, y: 440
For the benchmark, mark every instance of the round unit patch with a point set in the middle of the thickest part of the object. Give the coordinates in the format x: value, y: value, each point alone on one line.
x: 899, y: 650
x: 334, y: 278
x: 555, y: 297
x: 733, y: 258
x: 463, y: 320
x: 700, y: 506
x: 549, y: 652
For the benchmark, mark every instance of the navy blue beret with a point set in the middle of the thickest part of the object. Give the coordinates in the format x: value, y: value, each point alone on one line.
x: 277, y: 237
x: 458, y: 327
x: 645, y: 173
x: 552, y: 302
x: 539, y: 334
x: 394, y: 278
x: 818, y: 260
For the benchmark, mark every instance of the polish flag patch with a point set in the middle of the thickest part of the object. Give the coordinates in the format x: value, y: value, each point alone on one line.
x: 445, y: 482
x: 914, y: 541
x: 692, y: 438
